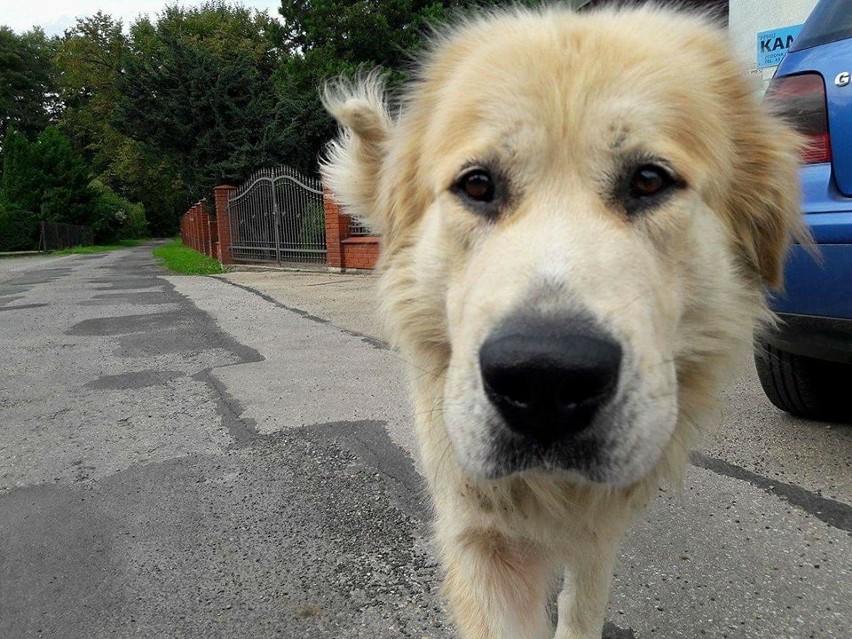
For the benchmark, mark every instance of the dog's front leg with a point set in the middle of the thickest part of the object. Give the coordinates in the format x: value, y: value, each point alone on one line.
x: 588, y: 576
x: 498, y: 588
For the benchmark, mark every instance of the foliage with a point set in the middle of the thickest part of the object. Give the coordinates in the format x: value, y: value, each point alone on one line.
x: 48, y: 180
x: 160, y: 113
x: 18, y: 228
x: 46, y: 177
x: 89, y: 63
x: 114, y: 217
x: 312, y: 225
x: 196, y: 88
x: 99, y: 248
x: 339, y: 37
x: 26, y: 82
x: 182, y: 259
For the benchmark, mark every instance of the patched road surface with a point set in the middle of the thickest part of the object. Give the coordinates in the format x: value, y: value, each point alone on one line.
x: 180, y: 457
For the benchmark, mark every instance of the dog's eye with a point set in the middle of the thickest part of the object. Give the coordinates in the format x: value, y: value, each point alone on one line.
x: 477, y: 185
x: 649, y: 180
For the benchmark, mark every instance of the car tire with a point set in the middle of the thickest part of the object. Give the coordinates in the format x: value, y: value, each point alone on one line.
x: 804, y: 386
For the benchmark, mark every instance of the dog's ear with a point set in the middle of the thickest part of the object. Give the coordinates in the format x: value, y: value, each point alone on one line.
x: 763, y: 203
x: 353, y: 162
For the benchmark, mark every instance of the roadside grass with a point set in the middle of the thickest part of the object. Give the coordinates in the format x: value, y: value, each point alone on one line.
x: 97, y: 248
x: 182, y: 259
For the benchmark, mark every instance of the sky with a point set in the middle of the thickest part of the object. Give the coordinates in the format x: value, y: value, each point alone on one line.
x: 54, y: 16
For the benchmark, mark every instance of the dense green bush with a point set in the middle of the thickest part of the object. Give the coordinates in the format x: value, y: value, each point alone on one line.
x: 114, y: 217
x: 48, y: 180
x: 18, y: 228
x: 47, y: 177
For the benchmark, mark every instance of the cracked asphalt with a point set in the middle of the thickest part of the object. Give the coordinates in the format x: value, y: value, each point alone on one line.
x: 183, y: 457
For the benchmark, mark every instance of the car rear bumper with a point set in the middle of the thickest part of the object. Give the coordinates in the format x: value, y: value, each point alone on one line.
x: 818, y: 337
x: 820, y: 286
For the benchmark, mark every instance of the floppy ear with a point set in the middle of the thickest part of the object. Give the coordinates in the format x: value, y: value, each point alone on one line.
x: 353, y: 162
x: 763, y: 202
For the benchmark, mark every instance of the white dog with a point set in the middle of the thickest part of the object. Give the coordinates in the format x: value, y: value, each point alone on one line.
x: 580, y: 214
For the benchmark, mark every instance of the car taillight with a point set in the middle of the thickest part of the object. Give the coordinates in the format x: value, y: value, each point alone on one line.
x: 801, y: 99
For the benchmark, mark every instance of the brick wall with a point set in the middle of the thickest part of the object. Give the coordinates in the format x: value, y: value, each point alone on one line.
x: 345, y: 251
x: 199, y: 230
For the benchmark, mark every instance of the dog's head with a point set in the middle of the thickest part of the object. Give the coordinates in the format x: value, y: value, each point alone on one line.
x: 580, y: 213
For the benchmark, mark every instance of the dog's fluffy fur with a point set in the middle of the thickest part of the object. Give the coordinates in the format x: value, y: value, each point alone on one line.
x: 557, y: 104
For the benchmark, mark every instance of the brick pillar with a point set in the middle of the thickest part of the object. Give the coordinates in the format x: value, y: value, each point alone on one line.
x: 205, y: 222
x: 202, y: 228
x: 193, y: 217
x: 193, y: 222
x: 190, y: 226
x: 199, y: 230
x: 199, y: 217
x: 190, y: 221
x: 336, y: 230
x: 213, y: 233
x: 223, y: 225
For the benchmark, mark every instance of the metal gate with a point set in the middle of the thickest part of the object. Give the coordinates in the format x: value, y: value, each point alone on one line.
x: 277, y: 216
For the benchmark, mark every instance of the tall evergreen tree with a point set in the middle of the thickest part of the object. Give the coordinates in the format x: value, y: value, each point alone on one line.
x: 47, y: 178
x: 195, y: 87
x: 27, y: 82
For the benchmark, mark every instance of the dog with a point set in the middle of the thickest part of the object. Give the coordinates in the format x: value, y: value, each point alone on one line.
x: 580, y: 216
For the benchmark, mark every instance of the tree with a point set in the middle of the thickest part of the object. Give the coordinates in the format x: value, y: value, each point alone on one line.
x: 46, y: 178
x: 88, y: 61
x: 27, y: 82
x: 339, y: 37
x: 195, y: 89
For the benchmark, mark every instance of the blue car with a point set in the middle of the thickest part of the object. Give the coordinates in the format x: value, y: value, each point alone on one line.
x: 806, y: 366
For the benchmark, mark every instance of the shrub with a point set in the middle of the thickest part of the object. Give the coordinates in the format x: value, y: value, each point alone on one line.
x: 114, y: 217
x: 18, y: 228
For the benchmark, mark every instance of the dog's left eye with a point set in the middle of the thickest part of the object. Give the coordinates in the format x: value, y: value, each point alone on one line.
x: 477, y: 185
x: 649, y: 180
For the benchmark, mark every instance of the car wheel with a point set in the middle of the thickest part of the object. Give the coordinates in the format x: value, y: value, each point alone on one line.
x: 804, y: 386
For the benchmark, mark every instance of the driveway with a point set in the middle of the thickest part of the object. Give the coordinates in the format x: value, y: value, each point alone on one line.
x: 197, y: 457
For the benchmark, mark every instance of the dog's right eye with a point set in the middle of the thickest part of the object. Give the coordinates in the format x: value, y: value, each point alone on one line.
x: 476, y: 185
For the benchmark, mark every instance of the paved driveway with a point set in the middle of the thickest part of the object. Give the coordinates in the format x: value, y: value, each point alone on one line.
x: 182, y: 457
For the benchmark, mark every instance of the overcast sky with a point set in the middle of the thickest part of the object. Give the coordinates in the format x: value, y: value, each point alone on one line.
x: 54, y: 16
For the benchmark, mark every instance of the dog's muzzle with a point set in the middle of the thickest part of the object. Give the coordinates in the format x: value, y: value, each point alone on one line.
x: 548, y: 378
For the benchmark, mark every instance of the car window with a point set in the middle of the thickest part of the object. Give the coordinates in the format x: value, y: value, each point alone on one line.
x: 830, y: 21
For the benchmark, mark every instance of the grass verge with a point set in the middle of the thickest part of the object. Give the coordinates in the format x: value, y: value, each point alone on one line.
x: 182, y: 259
x: 97, y: 248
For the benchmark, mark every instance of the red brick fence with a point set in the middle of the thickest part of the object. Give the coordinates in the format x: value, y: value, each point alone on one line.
x: 346, y: 250
x: 347, y: 247
x: 199, y: 230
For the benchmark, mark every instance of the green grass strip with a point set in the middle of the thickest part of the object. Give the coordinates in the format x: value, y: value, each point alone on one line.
x: 98, y: 248
x: 182, y: 259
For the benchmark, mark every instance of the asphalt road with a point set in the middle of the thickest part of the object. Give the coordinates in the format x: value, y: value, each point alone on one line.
x: 181, y: 457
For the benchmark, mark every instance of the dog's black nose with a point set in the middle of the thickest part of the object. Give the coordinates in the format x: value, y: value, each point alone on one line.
x: 548, y: 378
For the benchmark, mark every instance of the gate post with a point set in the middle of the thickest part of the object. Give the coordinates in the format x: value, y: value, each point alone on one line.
x: 336, y: 230
x: 213, y: 234
x: 205, y: 227
x: 199, y: 237
x: 193, y: 216
x: 223, y: 224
